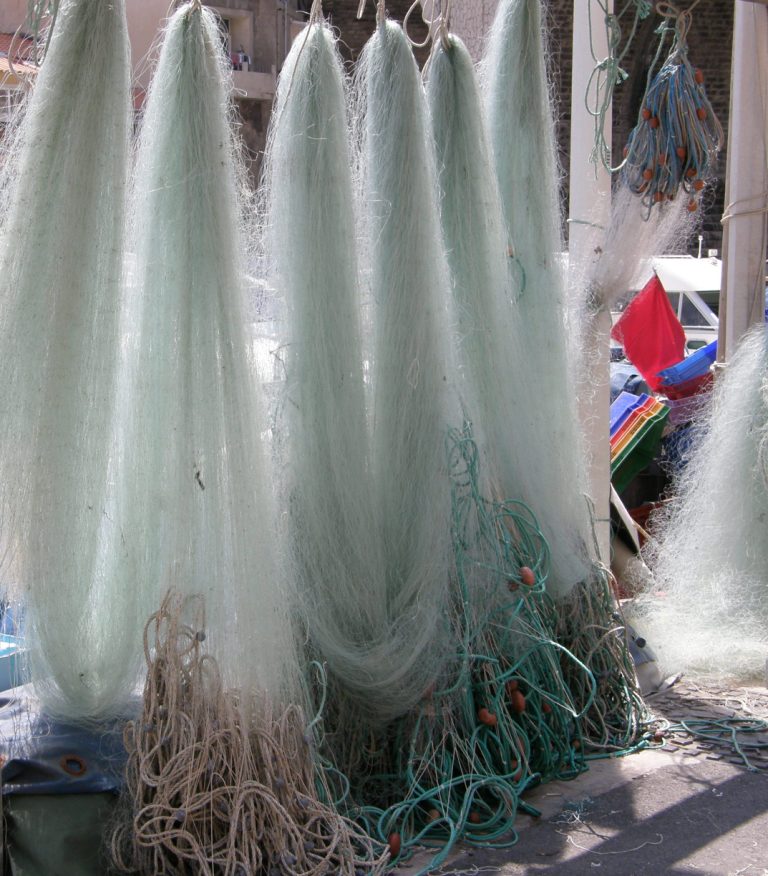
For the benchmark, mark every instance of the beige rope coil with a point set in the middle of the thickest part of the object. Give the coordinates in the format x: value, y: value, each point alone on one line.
x: 216, y: 788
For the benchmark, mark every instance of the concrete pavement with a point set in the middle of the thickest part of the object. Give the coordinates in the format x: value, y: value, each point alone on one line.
x: 691, y: 806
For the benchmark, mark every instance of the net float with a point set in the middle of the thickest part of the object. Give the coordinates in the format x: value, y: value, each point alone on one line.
x: 484, y: 716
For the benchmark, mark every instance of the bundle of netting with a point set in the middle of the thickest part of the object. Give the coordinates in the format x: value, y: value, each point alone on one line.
x: 390, y: 756
x: 195, y: 499
x: 196, y: 514
x: 677, y: 137
x: 708, y: 613
x: 518, y: 109
x: 411, y: 410
x: 519, y: 112
x: 60, y: 271
x: 484, y: 280
x: 369, y: 620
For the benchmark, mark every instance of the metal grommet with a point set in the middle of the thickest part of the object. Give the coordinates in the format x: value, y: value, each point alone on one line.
x: 73, y: 764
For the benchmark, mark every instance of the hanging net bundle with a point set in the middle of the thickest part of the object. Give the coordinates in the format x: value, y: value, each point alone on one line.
x: 554, y: 478
x: 411, y: 404
x: 551, y: 480
x: 677, y: 137
x: 196, y: 505
x: 408, y: 650
x: 368, y: 609
x: 484, y: 281
x: 60, y: 274
x: 416, y: 755
x: 493, y: 712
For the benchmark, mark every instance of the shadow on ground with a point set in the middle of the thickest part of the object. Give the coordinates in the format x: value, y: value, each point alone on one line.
x: 701, y: 817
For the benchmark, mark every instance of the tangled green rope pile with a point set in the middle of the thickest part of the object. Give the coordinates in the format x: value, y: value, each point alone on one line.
x: 515, y: 709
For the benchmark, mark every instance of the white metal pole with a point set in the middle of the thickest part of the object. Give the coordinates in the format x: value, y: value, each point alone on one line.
x: 745, y: 222
x: 589, y: 206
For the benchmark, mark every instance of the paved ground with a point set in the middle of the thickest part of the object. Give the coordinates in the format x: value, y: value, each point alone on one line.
x: 690, y: 806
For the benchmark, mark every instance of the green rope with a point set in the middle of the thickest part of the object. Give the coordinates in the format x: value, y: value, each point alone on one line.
x: 721, y: 731
x: 608, y: 73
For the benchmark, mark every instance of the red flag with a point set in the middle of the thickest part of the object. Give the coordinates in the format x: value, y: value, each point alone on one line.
x: 650, y: 332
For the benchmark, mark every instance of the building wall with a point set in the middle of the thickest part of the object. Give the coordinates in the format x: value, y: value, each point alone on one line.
x: 12, y: 15
x: 145, y: 18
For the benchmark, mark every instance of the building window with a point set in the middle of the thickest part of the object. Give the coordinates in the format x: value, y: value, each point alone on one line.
x: 234, y: 50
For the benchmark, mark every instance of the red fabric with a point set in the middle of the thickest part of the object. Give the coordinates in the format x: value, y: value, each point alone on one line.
x: 650, y: 332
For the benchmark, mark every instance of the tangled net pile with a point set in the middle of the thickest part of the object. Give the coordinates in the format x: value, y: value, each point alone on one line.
x: 591, y: 623
x: 514, y: 708
x: 217, y: 786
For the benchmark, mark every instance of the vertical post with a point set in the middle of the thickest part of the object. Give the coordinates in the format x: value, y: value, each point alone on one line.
x: 589, y: 206
x: 745, y: 233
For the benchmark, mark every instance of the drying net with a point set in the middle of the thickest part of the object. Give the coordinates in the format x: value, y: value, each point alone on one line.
x: 60, y: 272
x: 411, y: 408
x: 369, y: 574
x: 708, y: 612
x: 517, y: 99
x: 196, y: 508
x: 589, y: 622
x: 492, y: 712
x: 447, y: 688
x: 484, y: 279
